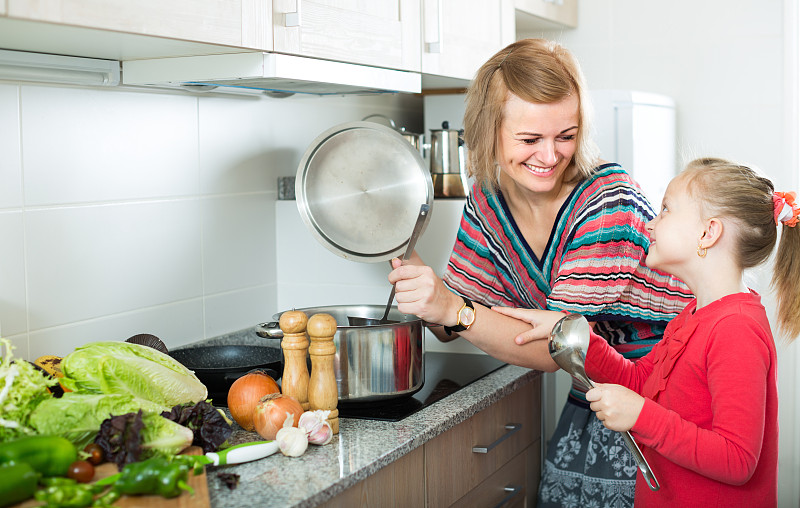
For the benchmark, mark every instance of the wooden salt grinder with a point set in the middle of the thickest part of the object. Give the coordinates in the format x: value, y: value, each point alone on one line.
x: 322, y: 391
x: 294, y: 381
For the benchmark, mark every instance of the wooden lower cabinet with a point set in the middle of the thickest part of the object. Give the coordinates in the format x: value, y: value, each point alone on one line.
x: 401, y: 484
x: 447, y: 472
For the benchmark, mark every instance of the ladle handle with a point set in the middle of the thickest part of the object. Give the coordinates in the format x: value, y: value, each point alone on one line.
x: 644, y: 467
x: 412, y: 241
x: 641, y: 462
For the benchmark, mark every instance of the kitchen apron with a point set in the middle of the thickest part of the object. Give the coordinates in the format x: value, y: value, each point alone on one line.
x: 586, y: 464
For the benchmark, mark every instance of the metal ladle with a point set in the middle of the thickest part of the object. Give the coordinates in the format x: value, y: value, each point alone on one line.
x: 569, y: 341
x: 362, y: 321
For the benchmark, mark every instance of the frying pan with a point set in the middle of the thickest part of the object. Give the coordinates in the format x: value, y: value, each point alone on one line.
x: 218, y: 367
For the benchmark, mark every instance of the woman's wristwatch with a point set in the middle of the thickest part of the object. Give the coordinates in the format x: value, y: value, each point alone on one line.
x: 465, y: 317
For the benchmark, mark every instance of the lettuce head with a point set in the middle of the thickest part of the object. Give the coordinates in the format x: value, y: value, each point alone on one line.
x: 133, y: 369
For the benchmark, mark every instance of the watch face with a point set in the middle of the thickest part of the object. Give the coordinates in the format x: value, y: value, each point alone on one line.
x: 467, y: 316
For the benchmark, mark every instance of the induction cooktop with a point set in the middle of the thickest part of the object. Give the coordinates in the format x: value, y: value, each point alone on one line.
x: 445, y: 373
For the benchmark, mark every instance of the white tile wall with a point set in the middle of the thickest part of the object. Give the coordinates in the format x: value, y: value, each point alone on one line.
x: 126, y: 211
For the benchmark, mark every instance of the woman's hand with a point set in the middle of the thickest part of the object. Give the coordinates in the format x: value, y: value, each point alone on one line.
x: 616, y: 406
x: 420, y: 292
x: 542, y: 322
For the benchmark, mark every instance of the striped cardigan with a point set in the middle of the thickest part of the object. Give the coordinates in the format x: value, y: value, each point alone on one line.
x: 593, y: 263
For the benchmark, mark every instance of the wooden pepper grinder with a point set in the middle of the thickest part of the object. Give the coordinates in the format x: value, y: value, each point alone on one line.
x: 322, y: 391
x: 294, y: 381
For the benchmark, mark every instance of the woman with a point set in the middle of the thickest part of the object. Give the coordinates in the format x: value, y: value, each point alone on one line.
x: 547, y: 226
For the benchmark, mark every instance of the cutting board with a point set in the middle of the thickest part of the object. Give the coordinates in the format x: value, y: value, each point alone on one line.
x: 200, y: 498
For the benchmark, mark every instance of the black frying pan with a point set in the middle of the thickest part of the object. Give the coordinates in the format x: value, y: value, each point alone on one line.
x: 218, y: 367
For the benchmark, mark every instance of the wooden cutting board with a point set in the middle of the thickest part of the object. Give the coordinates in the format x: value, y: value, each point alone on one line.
x: 198, y: 482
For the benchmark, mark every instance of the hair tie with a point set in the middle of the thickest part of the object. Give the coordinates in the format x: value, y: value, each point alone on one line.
x: 784, y: 208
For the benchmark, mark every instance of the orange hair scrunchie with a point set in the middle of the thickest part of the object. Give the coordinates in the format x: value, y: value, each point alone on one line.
x: 784, y: 208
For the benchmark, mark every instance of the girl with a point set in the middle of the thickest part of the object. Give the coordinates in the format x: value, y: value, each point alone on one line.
x: 703, y: 403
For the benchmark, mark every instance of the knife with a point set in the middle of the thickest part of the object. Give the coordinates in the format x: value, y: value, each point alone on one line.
x: 240, y: 453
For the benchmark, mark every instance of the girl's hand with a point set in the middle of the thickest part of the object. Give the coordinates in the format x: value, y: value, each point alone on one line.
x: 616, y: 406
x: 542, y: 322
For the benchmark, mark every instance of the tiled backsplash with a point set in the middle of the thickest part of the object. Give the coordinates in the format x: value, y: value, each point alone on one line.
x: 127, y: 211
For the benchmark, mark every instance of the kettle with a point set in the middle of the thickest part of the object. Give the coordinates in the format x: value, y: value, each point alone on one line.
x: 448, y: 162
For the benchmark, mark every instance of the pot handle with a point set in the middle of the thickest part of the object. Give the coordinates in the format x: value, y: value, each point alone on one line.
x: 271, y: 330
x: 378, y: 115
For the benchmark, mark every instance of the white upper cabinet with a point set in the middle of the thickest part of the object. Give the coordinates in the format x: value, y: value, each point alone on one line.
x: 125, y: 30
x: 381, y: 33
x: 460, y: 35
x: 537, y: 15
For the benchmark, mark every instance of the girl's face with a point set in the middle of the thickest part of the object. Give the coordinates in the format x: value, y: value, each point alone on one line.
x: 537, y: 142
x: 676, y: 231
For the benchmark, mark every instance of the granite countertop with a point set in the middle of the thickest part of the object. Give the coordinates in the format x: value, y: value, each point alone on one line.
x: 361, y: 448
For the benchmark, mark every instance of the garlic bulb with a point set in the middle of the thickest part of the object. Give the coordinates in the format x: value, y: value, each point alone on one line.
x: 316, y: 425
x: 292, y: 441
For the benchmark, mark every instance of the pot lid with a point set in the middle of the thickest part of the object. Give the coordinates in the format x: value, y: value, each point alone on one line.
x: 359, y: 189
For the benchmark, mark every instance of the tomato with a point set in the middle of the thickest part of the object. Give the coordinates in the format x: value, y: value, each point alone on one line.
x: 95, y: 452
x: 81, y: 471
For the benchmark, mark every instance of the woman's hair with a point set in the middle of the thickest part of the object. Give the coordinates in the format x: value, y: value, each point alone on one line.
x: 726, y: 189
x: 536, y: 71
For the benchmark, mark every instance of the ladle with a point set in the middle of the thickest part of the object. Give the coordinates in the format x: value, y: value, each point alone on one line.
x: 569, y: 341
x: 362, y: 321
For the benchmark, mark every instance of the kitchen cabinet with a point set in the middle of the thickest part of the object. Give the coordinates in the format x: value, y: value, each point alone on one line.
x: 446, y: 471
x: 123, y: 30
x: 243, y: 23
x: 537, y: 15
x: 382, y: 33
x: 398, y: 485
x: 460, y: 35
x: 510, y: 431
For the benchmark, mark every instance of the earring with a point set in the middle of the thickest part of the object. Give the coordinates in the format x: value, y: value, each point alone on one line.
x: 701, y: 251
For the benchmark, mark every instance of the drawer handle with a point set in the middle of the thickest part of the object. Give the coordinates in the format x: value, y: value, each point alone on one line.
x: 512, y: 490
x: 512, y: 428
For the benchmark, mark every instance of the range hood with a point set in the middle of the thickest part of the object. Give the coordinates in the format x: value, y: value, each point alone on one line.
x: 273, y: 73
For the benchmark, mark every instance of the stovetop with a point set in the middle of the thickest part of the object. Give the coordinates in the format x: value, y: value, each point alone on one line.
x: 445, y: 373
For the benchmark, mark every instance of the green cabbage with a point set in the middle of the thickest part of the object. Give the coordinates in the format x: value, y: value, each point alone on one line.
x: 125, y: 368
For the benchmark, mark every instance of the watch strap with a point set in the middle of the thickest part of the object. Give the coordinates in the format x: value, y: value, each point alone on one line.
x: 458, y: 327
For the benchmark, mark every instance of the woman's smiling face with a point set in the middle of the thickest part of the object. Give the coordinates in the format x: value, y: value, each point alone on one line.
x: 537, y: 142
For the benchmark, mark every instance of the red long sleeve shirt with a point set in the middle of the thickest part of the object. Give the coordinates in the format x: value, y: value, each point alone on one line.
x: 709, y: 425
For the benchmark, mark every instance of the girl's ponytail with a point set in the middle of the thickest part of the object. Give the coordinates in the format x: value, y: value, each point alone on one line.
x: 786, y: 272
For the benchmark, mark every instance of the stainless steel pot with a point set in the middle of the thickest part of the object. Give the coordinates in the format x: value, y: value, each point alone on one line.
x: 416, y: 140
x: 371, y: 362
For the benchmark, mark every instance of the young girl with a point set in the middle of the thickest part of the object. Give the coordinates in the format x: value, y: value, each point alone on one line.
x: 703, y: 403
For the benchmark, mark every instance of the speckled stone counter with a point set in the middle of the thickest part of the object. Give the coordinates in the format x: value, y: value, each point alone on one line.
x: 361, y: 448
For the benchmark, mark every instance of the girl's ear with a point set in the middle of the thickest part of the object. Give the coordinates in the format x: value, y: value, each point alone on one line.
x: 712, y: 232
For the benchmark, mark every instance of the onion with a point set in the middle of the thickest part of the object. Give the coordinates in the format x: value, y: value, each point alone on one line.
x: 244, y: 394
x: 272, y: 410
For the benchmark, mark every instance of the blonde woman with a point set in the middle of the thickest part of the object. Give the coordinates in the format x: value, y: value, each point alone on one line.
x: 547, y: 226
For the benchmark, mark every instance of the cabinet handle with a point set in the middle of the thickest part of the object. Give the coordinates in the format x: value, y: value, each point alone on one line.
x: 512, y: 429
x: 512, y: 490
x: 292, y: 18
x: 432, y: 25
